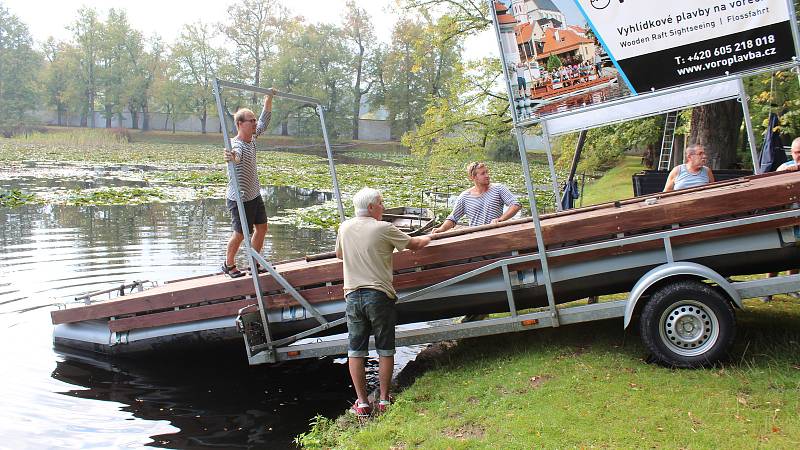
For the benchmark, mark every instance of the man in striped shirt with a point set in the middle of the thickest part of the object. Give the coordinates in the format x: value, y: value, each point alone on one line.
x: 482, y: 203
x: 243, y: 155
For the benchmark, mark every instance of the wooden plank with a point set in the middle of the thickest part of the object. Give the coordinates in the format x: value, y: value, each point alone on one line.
x: 184, y: 315
x: 414, y: 280
x: 698, y: 204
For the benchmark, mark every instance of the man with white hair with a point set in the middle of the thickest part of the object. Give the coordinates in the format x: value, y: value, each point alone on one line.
x: 365, y: 244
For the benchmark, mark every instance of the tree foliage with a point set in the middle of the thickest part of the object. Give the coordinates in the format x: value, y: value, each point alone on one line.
x: 19, y: 63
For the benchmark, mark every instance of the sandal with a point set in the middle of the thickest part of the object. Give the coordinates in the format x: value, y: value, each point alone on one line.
x: 231, y: 271
x: 260, y: 269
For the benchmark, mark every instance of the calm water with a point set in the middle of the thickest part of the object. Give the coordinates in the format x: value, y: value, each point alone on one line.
x: 50, y: 254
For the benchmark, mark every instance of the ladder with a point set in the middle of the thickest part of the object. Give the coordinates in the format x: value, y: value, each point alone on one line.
x: 668, y: 141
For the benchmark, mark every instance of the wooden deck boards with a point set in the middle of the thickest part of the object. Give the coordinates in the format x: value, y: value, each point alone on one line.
x: 634, y: 215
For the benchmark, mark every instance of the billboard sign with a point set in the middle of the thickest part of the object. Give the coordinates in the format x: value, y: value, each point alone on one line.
x: 561, y: 55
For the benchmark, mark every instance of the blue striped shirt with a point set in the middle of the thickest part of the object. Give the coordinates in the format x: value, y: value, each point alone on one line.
x: 246, y: 168
x: 484, y: 208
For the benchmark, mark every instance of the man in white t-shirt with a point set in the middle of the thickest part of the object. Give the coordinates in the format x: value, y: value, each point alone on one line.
x: 366, y: 244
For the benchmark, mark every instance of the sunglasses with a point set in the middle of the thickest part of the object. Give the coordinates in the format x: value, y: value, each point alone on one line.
x: 249, y: 120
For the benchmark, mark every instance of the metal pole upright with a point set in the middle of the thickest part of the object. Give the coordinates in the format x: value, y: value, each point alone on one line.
x: 526, y: 171
x: 331, y: 166
x: 748, y: 123
x: 553, y: 178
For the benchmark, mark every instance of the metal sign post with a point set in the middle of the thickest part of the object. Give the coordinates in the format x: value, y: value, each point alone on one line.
x: 523, y: 154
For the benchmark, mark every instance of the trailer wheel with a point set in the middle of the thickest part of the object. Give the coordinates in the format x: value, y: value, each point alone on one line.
x: 687, y: 324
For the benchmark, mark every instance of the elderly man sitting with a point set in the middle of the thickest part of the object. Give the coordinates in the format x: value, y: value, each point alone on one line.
x: 691, y: 174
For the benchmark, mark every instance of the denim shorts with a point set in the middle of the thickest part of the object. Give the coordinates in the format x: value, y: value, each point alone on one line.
x: 370, y: 311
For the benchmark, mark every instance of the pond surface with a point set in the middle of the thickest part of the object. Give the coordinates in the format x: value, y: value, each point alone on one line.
x: 51, y: 254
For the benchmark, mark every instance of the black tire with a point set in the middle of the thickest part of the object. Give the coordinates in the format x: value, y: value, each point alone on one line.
x: 705, y: 317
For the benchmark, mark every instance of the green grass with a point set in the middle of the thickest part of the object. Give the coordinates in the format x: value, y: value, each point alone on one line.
x: 588, y: 386
x: 615, y: 184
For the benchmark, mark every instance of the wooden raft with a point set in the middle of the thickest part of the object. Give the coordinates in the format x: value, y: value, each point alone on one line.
x: 449, y: 255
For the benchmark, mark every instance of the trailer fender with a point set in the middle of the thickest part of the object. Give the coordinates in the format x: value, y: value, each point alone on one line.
x: 680, y: 268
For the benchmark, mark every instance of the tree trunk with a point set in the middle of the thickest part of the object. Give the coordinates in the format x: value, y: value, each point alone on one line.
x: 203, y: 118
x: 134, y: 118
x: 357, y: 93
x: 108, y: 116
x: 145, y: 117
x: 716, y: 127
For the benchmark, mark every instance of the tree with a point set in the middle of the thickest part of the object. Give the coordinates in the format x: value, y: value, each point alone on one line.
x: 360, y: 34
x: 553, y: 63
x: 290, y: 70
x: 120, y: 54
x: 419, y: 62
x: 329, y: 61
x: 19, y: 63
x: 87, y: 33
x: 196, y: 63
x: 716, y: 126
x: 463, y: 125
x: 254, y: 27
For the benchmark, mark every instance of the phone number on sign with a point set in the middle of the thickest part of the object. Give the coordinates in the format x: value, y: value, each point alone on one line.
x: 727, y: 49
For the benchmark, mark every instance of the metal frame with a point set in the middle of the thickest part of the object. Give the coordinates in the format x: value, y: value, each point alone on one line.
x: 333, y: 345
x: 552, y: 316
x: 255, y: 257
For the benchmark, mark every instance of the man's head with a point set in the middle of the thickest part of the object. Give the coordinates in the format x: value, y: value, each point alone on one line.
x: 696, y: 156
x: 368, y: 202
x: 796, y: 150
x: 245, y: 121
x: 478, y: 173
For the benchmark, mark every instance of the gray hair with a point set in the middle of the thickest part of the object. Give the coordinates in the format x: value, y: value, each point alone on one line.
x: 692, y: 149
x: 363, y: 198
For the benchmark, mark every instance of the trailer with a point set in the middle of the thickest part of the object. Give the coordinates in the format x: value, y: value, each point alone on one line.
x: 673, y: 254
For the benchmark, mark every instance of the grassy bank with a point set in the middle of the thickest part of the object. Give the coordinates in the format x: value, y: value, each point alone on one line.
x: 614, y: 184
x: 589, y: 385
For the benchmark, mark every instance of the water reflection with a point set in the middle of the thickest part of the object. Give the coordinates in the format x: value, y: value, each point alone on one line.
x: 86, y: 248
x: 51, y: 254
x: 223, y: 403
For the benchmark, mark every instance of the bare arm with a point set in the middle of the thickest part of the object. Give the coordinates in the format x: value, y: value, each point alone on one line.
x: 448, y: 224
x: 513, y: 209
x: 418, y: 242
x: 711, y: 178
x: 785, y: 168
x: 670, y: 186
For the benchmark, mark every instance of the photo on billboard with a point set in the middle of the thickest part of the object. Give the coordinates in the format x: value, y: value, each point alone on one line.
x: 553, y: 60
x: 561, y: 55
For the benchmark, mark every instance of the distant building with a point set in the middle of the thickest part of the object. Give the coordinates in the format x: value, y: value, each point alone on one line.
x: 570, y: 47
x: 533, y: 30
